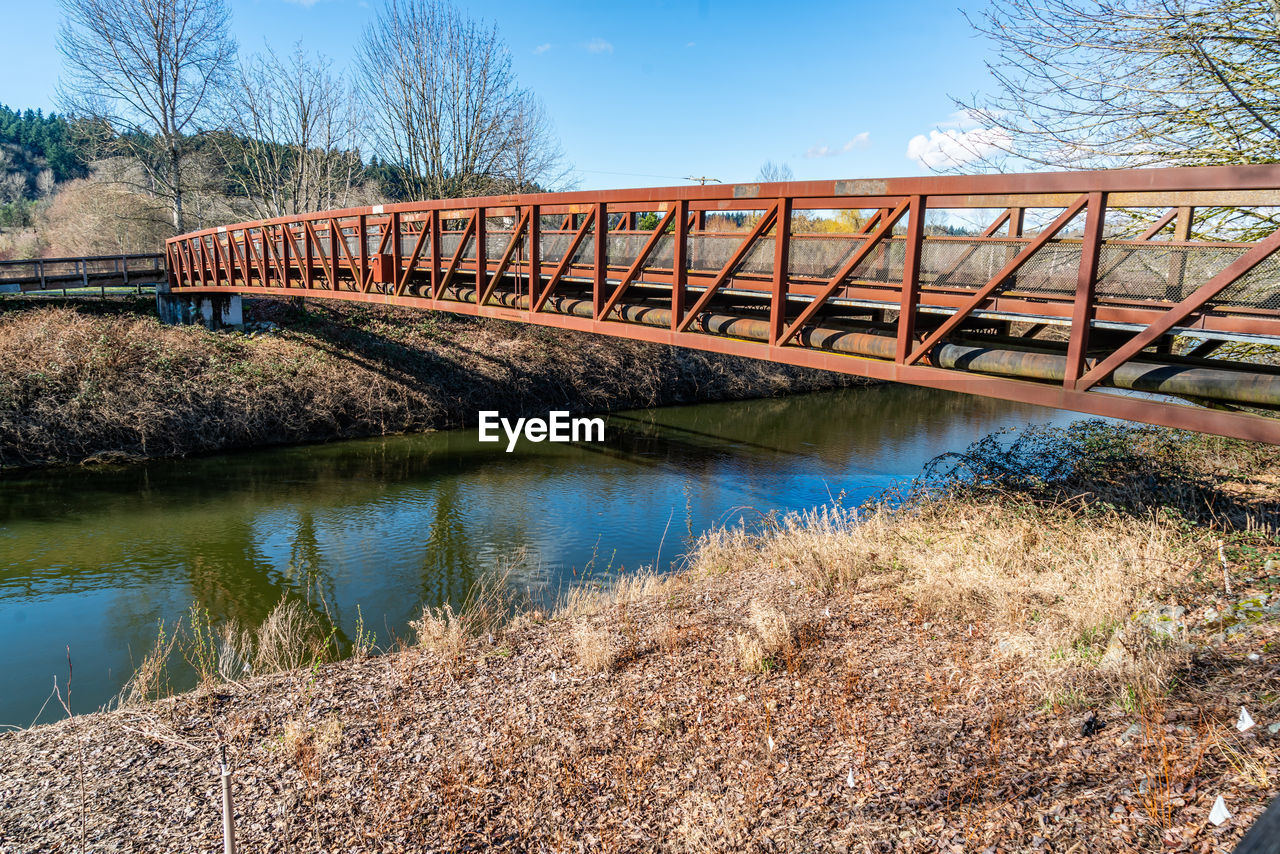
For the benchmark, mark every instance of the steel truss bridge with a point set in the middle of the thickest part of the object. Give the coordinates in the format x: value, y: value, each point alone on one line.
x: 1113, y: 293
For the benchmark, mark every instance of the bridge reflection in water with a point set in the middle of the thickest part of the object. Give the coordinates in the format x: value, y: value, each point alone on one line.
x: 1120, y: 301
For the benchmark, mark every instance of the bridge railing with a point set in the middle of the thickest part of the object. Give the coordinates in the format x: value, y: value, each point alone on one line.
x: 135, y: 271
x: 1080, y: 276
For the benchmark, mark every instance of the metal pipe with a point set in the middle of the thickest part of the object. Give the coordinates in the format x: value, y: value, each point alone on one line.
x: 228, y: 808
x: 1184, y: 381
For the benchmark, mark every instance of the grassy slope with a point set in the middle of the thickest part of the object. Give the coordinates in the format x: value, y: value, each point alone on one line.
x: 909, y: 679
x: 90, y: 382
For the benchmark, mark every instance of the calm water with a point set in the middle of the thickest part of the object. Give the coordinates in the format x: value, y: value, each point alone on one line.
x: 95, y: 558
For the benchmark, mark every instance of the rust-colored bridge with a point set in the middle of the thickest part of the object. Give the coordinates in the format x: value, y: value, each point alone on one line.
x: 1115, y: 293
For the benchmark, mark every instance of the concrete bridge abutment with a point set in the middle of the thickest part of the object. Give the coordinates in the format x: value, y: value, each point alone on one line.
x: 215, y: 311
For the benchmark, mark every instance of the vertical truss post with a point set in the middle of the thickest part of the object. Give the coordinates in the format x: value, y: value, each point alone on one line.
x: 307, y: 254
x: 362, y: 235
x: 781, y: 267
x: 535, y: 253
x: 1015, y: 221
x: 394, y: 226
x: 482, y: 251
x: 910, y: 279
x: 235, y: 262
x: 215, y: 267
x: 1086, y: 283
x: 228, y: 258
x: 680, y: 262
x: 284, y: 253
x: 435, y: 254
x: 333, y: 253
x: 600, y: 279
x: 174, y: 258
x: 1178, y: 260
x: 264, y: 263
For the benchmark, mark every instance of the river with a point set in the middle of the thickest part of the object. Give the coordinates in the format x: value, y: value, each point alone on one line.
x: 93, y: 558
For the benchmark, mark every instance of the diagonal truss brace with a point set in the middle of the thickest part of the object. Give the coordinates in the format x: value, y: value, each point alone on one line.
x: 565, y: 261
x: 1181, y: 311
x: 887, y: 222
x: 761, y: 227
x: 634, y: 269
x: 998, y: 280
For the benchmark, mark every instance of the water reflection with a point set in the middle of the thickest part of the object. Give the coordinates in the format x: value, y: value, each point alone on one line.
x: 94, y: 559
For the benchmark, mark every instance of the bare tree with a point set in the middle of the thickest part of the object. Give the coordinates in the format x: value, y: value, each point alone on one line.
x: 291, y: 141
x: 142, y: 75
x: 532, y: 158
x: 771, y: 172
x: 92, y: 217
x: 1111, y: 83
x: 450, y: 114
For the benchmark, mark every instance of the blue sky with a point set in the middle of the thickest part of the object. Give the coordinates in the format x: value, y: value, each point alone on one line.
x: 646, y: 93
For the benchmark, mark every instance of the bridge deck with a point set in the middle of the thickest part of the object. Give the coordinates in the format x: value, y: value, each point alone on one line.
x: 1110, y: 306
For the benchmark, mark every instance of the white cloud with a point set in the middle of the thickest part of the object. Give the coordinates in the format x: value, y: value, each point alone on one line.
x: 542, y: 48
x: 961, y: 120
x: 599, y: 45
x: 955, y: 147
x: 862, y: 140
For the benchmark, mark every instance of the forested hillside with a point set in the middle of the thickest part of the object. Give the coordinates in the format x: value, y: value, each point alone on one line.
x: 36, y: 154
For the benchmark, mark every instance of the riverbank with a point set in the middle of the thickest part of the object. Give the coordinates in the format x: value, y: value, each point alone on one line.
x: 105, y: 382
x: 1048, y: 660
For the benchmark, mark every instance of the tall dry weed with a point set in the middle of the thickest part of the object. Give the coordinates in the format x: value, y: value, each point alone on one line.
x: 489, y: 603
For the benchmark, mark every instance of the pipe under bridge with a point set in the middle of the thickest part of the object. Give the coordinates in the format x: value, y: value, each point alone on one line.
x: 1151, y: 295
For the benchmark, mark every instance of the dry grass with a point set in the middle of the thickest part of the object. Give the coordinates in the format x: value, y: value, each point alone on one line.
x: 768, y: 643
x: 594, y: 647
x: 441, y: 631
x: 104, y: 381
x: 307, y: 745
x: 1053, y: 586
x: 825, y: 547
x: 150, y: 679
x: 586, y: 600
x: 290, y: 637
x: 488, y: 606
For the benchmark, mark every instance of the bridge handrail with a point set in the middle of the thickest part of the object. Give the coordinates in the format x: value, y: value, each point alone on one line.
x: 7, y: 262
x: 1160, y: 187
